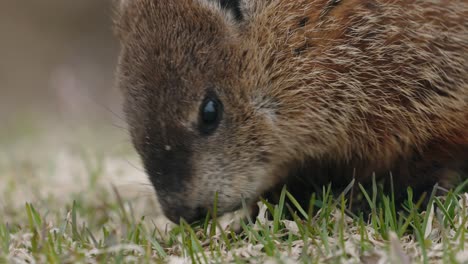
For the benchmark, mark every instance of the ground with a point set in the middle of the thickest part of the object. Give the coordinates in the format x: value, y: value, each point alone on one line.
x: 77, y: 193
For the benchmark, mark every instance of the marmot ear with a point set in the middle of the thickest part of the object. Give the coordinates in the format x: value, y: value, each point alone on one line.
x: 233, y: 6
x: 243, y: 9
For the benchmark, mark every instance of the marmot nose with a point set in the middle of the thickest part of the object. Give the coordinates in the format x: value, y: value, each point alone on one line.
x: 190, y: 215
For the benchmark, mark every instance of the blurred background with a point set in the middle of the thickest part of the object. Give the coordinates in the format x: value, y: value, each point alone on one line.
x: 62, y: 133
x: 57, y: 61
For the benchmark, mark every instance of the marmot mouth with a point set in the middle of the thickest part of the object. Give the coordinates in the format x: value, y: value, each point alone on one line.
x: 188, y: 215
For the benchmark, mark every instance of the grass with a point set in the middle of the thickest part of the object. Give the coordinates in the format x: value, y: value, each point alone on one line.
x: 98, y: 222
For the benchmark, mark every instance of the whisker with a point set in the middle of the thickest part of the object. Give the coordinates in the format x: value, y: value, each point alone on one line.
x: 135, y: 166
x: 120, y: 127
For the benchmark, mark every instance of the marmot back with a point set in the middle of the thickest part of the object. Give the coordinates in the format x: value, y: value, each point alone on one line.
x: 232, y: 97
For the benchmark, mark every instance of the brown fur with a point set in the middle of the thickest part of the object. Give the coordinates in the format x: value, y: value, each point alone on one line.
x: 360, y: 86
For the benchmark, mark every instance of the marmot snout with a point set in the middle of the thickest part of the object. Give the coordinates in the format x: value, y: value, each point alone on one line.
x: 231, y: 97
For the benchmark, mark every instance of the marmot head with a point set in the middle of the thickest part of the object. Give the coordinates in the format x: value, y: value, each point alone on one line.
x: 195, y: 115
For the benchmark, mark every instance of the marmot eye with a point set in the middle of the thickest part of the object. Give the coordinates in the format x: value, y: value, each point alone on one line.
x: 210, y: 112
x: 210, y: 115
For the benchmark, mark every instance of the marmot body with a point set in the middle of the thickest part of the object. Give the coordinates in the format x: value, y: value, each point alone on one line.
x: 233, y: 97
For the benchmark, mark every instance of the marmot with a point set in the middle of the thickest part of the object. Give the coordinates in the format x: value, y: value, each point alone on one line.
x: 231, y: 97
